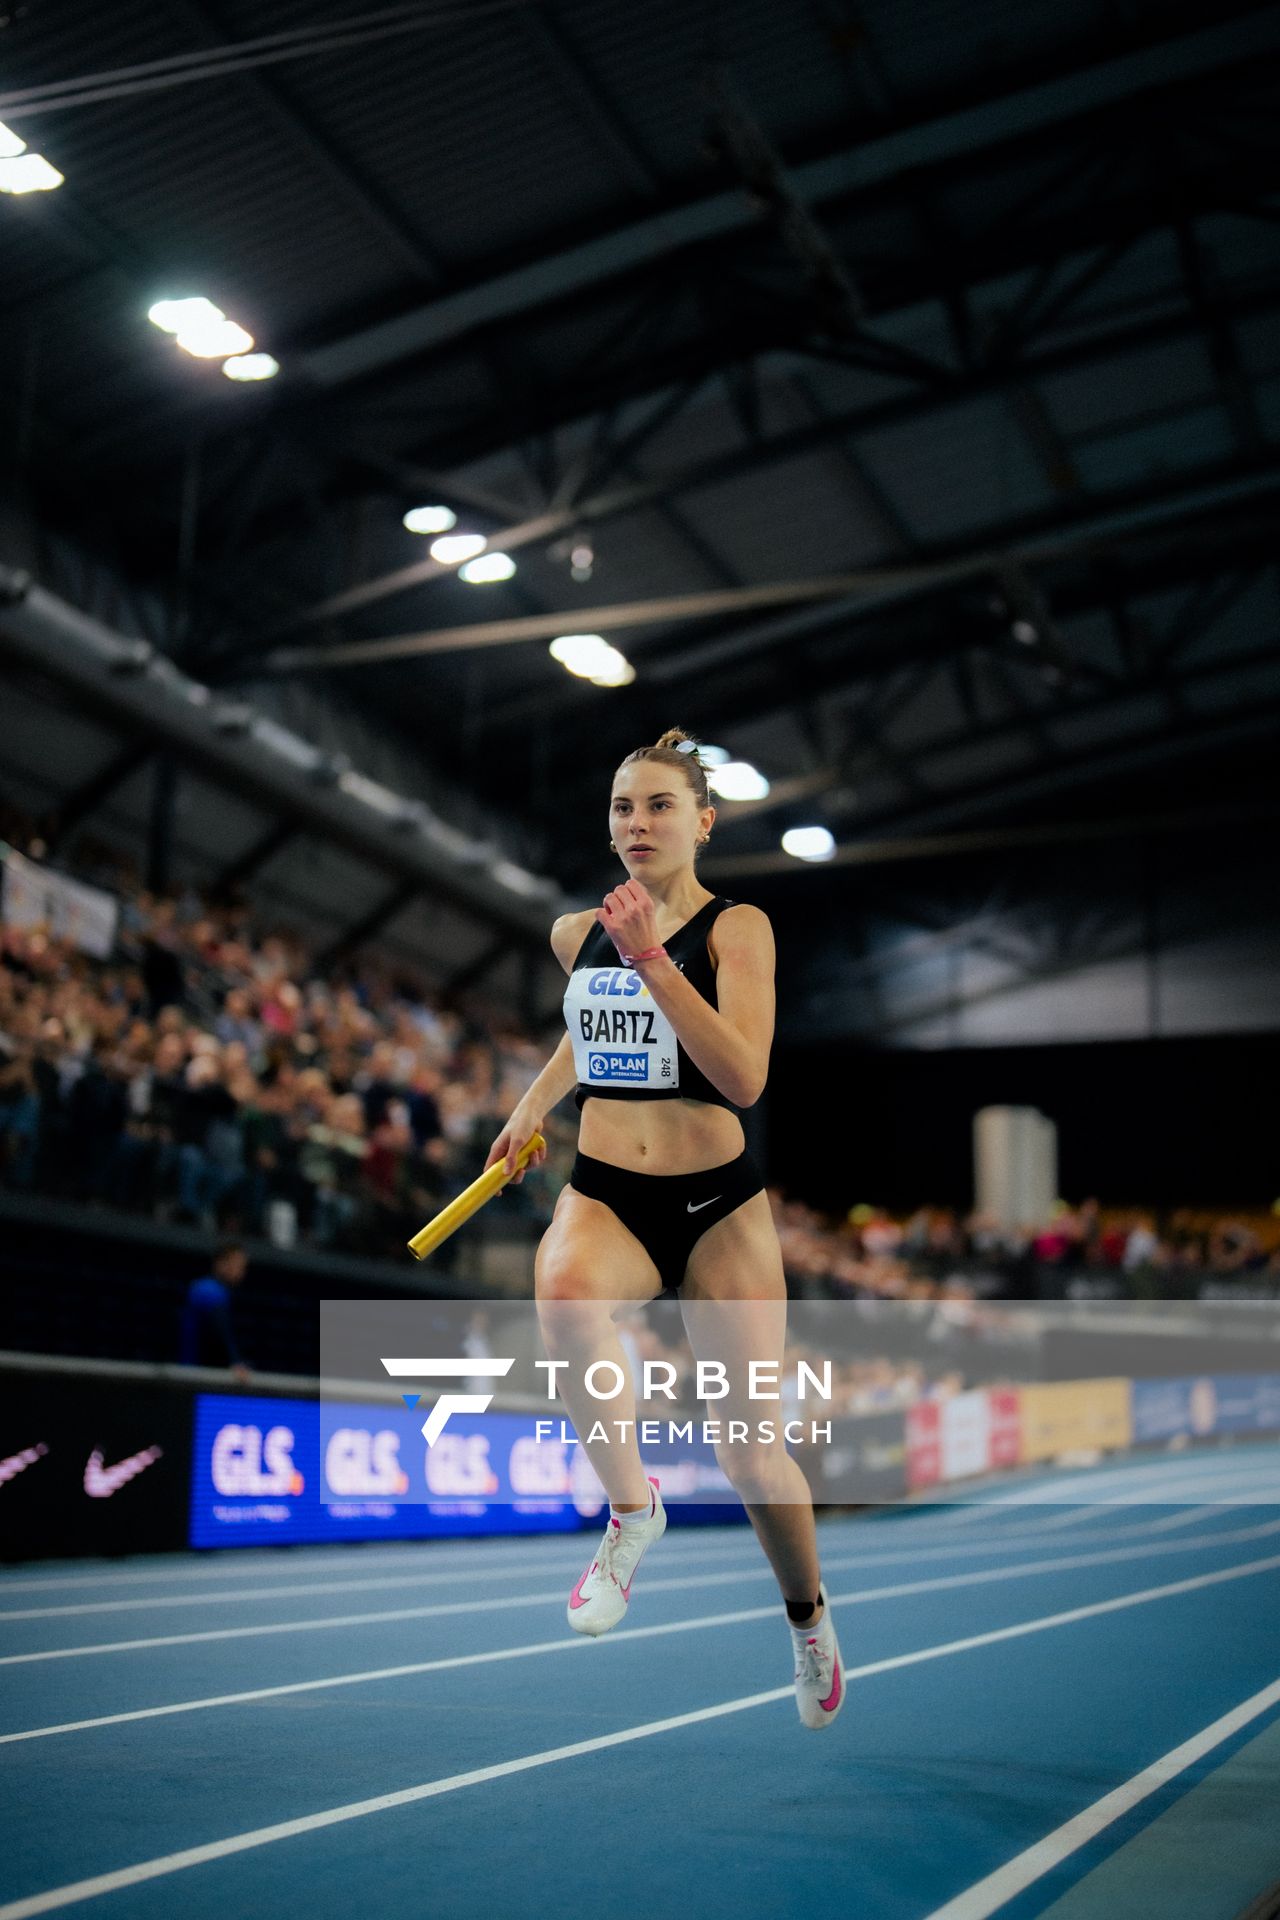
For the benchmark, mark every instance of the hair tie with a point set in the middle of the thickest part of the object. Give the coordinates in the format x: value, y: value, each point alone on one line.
x: 686, y: 746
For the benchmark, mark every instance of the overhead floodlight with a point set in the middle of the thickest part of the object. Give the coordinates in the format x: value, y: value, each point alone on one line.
x: 10, y: 144
x: 173, y: 316
x: 1026, y: 632
x: 430, y: 519
x: 590, y: 657
x: 615, y: 671
x: 714, y: 756
x: 808, y: 843
x: 455, y: 547
x: 738, y: 780
x: 579, y: 652
x: 488, y: 568
x: 251, y: 366
x: 214, y: 339
x: 29, y: 173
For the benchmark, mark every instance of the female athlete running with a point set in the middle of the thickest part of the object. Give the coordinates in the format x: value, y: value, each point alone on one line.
x: 662, y: 1192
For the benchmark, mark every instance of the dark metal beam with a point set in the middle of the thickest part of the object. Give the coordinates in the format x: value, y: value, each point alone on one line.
x: 255, y: 857
x: 1192, y: 732
x: 853, y: 594
x: 799, y: 441
x: 474, y: 970
x: 948, y: 846
x: 372, y: 923
x: 987, y: 124
x: 89, y: 796
x: 164, y: 794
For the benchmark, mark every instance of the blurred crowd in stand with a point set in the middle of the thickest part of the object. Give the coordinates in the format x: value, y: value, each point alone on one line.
x: 938, y: 1253
x: 208, y: 1074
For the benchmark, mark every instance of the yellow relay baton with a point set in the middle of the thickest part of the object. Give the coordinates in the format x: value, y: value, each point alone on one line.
x: 470, y: 1200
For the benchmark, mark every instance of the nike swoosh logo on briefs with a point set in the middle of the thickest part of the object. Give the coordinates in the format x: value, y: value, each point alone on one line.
x: 701, y: 1204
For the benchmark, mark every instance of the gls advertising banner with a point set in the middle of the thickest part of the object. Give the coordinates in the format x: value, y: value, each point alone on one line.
x: 275, y: 1470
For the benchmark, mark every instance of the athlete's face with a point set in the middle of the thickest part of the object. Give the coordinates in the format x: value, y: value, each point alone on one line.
x: 654, y: 818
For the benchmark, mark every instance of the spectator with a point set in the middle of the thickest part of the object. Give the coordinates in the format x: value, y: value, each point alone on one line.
x: 208, y: 1337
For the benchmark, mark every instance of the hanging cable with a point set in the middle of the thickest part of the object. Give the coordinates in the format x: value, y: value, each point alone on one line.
x: 184, y: 69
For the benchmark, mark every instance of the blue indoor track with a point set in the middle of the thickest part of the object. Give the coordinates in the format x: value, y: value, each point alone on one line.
x: 1053, y: 1709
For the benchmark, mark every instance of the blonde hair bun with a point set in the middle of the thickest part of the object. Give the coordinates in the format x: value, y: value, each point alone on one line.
x: 675, y: 739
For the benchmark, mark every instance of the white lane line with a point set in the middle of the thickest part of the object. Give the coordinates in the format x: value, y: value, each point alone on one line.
x: 463, y: 1570
x: 466, y: 1570
x: 164, y: 1864
x: 982, y: 1899
x: 1187, y: 1519
x: 864, y: 1596
x: 1114, y: 1486
x: 1073, y: 1517
x: 242, y: 1563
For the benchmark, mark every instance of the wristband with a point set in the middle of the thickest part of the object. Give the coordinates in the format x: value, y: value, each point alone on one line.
x: 650, y: 953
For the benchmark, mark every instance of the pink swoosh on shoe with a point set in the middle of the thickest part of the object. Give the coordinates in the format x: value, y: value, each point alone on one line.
x: 575, y: 1598
x: 832, y: 1700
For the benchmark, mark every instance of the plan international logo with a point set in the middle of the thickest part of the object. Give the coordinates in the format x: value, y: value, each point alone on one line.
x: 452, y: 1369
x: 619, y: 1066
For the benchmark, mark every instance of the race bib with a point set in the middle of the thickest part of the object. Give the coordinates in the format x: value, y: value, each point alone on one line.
x: 620, y: 1038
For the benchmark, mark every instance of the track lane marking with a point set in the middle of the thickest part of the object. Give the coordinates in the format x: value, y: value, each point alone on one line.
x: 143, y: 1870
x: 1027, y: 1536
x: 864, y: 1596
x: 986, y: 1896
x: 443, y: 1609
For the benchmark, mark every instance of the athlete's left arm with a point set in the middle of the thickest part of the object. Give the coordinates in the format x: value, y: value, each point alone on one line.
x: 731, y: 1046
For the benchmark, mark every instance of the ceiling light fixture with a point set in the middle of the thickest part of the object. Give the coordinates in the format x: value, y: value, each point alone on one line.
x: 251, y: 366
x: 171, y: 316
x: 738, y: 780
x: 214, y: 339
x: 808, y: 843
x: 486, y: 569
x: 28, y: 173
x: 430, y: 520
x: 455, y: 547
x: 589, y: 656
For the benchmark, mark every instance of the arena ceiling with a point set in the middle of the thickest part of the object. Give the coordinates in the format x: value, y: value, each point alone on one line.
x: 909, y: 373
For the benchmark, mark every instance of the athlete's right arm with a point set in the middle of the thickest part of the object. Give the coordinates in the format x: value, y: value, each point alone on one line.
x: 559, y: 1075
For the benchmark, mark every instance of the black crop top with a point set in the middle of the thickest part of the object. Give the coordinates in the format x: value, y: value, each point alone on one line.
x: 624, y: 1047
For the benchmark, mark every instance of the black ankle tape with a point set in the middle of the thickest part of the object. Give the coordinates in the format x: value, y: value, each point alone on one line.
x: 798, y: 1611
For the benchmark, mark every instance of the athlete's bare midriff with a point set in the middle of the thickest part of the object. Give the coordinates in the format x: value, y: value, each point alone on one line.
x: 660, y: 1136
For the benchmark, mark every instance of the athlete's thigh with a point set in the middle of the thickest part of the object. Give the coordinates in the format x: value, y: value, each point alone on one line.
x: 734, y: 1296
x: 739, y: 1258
x: 587, y: 1254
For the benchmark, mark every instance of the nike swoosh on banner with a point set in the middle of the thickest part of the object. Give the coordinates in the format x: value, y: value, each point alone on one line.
x: 701, y: 1204
x: 18, y: 1462
x: 101, y: 1482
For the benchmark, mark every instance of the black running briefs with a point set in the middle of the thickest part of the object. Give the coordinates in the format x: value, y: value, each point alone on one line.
x: 668, y: 1212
